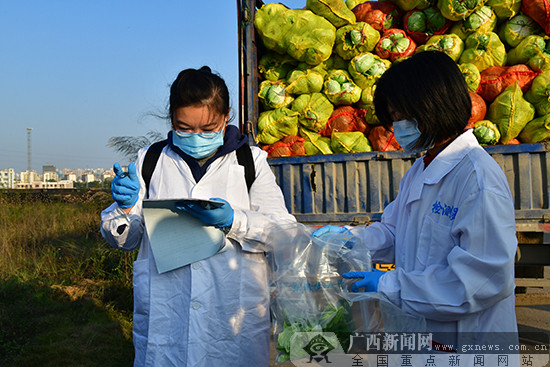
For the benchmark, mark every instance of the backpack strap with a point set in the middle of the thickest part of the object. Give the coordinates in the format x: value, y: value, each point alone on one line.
x: 245, y: 159
x: 149, y: 163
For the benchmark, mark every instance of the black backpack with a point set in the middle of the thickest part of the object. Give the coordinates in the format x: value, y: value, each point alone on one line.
x: 244, y: 157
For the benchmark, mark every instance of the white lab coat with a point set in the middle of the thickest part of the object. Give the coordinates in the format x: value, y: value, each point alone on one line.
x: 451, y: 234
x: 214, y: 312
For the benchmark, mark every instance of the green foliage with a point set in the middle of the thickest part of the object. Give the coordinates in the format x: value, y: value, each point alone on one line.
x: 65, y: 295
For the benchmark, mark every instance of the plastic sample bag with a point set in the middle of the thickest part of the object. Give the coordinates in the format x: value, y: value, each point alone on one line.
x: 307, y: 290
x: 309, y: 298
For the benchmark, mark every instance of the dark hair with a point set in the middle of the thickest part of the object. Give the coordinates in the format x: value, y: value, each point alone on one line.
x: 429, y: 88
x: 199, y: 87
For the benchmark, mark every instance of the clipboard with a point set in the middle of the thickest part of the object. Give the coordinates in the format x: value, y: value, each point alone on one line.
x: 178, y: 238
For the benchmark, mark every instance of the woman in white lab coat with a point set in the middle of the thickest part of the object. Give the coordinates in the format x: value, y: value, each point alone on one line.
x: 214, y: 312
x: 451, y: 229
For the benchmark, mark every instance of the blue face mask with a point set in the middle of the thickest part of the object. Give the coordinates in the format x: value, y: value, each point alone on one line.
x: 406, y: 133
x: 198, y: 145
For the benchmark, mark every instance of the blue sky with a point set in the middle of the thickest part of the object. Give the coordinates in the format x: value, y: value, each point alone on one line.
x: 80, y: 72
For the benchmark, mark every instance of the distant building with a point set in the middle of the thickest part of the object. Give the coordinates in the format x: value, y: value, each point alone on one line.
x: 71, y: 177
x: 30, y: 177
x: 48, y: 168
x: 50, y: 177
x: 88, y: 177
x: 7, y: 178
x: 45, y: 185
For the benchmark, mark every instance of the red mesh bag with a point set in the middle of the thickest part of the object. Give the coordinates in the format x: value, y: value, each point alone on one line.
x: 539, y: 11
x: 394, y: 52
x: 382, y: 139
x: 495, y: 79
x: 288, y: 146
x: 381, y: 15
x: 479, y: 110
x: 346, y: 119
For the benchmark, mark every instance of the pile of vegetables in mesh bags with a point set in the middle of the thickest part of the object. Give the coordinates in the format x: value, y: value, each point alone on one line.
x: 319, y: 67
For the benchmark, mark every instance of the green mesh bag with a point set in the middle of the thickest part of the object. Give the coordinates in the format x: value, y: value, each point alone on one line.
x: 529, y: 47
x: 536, y: 130
x: 300, y: 33
x: 355, y: 39
x: 367, y: 103
x: 510, y: 112
x: 504, y: 9
x: 314, y: 143
x: 340, y: 88
x: 456, y: 10
x: 273, y: 66
x: 541, y: 61
x: 304, y: 81
x: 486, y: 132
x: 350, y: 142
x: 366, y: 68
x: 276, y: 124
x: 483, y: 50
x: 314, y: 110
x: 539, y: 94
x: 353, y: 3
x: 273, y: 94
x: 472, y: 76
x: 482, y: 19
x: 450, y: 44
x: 515, y: 30
x: 335, y: 11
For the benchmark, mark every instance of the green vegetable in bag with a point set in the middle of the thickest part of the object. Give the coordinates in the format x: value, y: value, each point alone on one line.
x: 483, y: 50
x: 482, y: 19
x: 274, y: 94
x: 541, y: 61
x: 367, y: 103
x: 450, y: 44
x: 536, y: 130
x: 276, y: 124
x: 300, y: 33
x: 458, y: 10
x: 517, y: 29
x: 539, y: 93
x: 273, y: 66
x: 315, y: 143
x: 335, y: 11
x: 304, y: 81
x: 314, y: 109
x: 505, y: 9
x: 530, y: 46
x: 355, y: 39
x: 366, y: 69
x: 486, y: 132
x: 510, y: 112
x: 340, y: 89
x: 353, y: 3
x: 472, y: 76
x: 349, y: 142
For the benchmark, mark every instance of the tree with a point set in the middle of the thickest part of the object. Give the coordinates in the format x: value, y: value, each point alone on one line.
x: 130, y: 145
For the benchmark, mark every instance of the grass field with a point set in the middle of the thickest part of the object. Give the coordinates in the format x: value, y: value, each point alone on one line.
x: 65, y: 295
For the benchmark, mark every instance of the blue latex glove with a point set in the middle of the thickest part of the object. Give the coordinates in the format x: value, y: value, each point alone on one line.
x: 328, y: 229
x: 221, y: 217
x: 125, y: 186
x: 333, y: 229
x: 369, y: 282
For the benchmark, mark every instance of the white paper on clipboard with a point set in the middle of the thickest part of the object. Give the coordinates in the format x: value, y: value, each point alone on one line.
x: 178, y: 238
